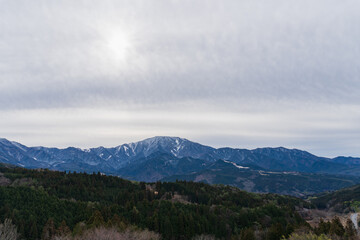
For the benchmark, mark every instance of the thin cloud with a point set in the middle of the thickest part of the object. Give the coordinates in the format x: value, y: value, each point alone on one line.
x: 234, y: 56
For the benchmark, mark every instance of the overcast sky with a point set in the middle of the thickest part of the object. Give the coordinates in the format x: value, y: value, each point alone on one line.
x: 238, y: 73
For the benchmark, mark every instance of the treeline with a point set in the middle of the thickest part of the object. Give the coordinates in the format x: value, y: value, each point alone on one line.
x: 92, y: 231
x: 328, y: 230
x: 344, y: 200
x: 335, y: 229
x: 180, y: 210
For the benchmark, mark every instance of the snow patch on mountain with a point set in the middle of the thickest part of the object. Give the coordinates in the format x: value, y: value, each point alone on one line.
x: 235, y: 165
x: 18, y: 145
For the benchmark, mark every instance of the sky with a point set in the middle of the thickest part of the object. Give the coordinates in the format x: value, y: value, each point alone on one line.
x: 237, y: 73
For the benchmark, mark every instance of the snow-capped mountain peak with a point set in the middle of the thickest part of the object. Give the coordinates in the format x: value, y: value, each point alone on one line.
x: 110, y: 160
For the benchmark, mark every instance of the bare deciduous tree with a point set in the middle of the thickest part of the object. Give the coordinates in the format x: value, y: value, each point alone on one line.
x: 204, y: 237
x: 8, y: 231
x: 103, y: 233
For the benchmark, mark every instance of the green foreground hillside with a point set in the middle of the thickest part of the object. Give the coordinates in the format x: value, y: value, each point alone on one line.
x: 343, y: 200
x: 37, y: 199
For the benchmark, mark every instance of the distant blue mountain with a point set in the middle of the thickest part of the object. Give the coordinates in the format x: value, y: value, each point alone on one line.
x: 161, y: 157
x: 113, y: 159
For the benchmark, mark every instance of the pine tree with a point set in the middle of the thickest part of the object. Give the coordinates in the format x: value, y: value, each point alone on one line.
x: 167, y: 229
x: 350, y: 230
x: 116, y: 222
x: 247, y: 234
x: 336, y: 228
x: 33, y: 232
x: 96, y: 220
x: 276, y: 231
x: 323, y: 227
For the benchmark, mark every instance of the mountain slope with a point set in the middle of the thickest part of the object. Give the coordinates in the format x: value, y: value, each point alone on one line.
x: 15, y: 153
x: 112, y: 159
x: 347, y: 199
x: 169, y: 158
x: 262, y: 181
x: 159, y: 165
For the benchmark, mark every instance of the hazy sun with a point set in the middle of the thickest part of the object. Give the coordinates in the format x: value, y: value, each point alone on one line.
x: 118, y: 45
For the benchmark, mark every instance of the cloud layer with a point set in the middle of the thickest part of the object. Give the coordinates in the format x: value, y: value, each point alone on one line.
x: 245, y: 65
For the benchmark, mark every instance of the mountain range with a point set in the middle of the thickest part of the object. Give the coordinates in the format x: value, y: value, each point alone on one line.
x: 279, y: 170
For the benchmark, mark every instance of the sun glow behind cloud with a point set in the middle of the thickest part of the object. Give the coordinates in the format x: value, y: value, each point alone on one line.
x: 111, y: 51
x: 118, y: 45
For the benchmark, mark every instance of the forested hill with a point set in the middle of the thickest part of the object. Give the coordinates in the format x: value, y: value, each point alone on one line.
x: 39, y: 201
x: 344, y: 200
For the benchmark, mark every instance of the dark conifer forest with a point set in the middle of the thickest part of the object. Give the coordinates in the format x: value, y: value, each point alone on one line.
x: 39, y: 200
x: 53, y: 205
